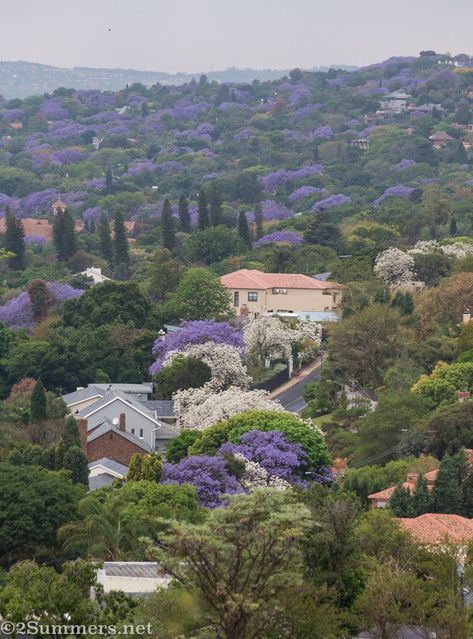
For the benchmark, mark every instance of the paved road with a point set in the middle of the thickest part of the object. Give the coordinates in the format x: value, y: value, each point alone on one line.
x: 292, y: 398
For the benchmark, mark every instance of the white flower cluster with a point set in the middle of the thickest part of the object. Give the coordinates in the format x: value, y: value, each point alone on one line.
x: 425, y: 247
x: 223, y: 360
x: 255, y: 476
x: 267, y: 338
x: 394, y: 267
x: 198, y: 408
x: 459, y: 250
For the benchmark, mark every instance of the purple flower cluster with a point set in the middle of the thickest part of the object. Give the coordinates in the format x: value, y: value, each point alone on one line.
x: 399, y: 190
x: 195, y: 332
x: 141, y: 166
x: 287, y: 237
x: 331, y: 202
x: 271, y: 450
x: 324, y: 132
x: 171, y: 167
x: 209, y: 475
x: 278, y: 178
x: 244, y: 134
x: 35, y: 240
x: 63, y: 292
x: 54, y: 110
x: 304, y: 191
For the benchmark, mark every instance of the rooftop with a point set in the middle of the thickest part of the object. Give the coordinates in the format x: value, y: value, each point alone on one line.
x: 441, y: 136
x: 253, y: 279
x: 141, y: 569
x: 437, y: 528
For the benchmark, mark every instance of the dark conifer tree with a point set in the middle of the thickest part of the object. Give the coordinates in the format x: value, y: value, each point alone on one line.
x: 59, y: 225
x: 121, y: 254
x: 41, y: 299
x: 447, y: 494
x: 453, y: 226
x: 38, y: 403
x: 203, y: 211
x: 216, y: 211
x: 109, y: 180
x: 105, y: 237
x: 15, y: 241
x: 92, y: 227
x: 401, y: 502
x: 259, y: 220
x: 168, y: 226
x: 76, y: 462
x: 243, y: 228
x: 70, y: 242
x: 184, y: 215
x: 421, y: 499
x: 71, y: 435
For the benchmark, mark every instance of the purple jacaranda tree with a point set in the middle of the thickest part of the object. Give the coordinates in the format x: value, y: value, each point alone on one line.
x: 195, y: 332
x: 141, y: 166
x: 403, y: 164
x: 399, y: 190
x: 286, y: 237
x: 92, y: 214
x: 305, y: 191
x: 171, y: 167
x: 305, y: 112
x: 209, y: 475
x: 35, y: 240
x: 54, y: 109
x: 244, y: 134
x: 331, y: 202
x: 272, y: 451
x: 276, y: 179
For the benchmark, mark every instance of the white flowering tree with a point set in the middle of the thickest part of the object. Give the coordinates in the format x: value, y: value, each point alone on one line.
x: 424, y: 247
x: 394, y: 267
x: 266, y: 338
x: 199, y: 408
x: 255, y: 476
x: 224, y: 362
x: 458, y: 250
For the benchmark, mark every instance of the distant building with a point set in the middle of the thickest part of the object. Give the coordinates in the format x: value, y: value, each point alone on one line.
x: 103, y: 472
x: 256, y: 293
x: 362, y: 144
x: 395, y: 102
x: 132, y: 577
x: 382, y: 497
x: 440, y: 139
x: 434, y: 529
x: 58, y: 207
x: 96, y: 274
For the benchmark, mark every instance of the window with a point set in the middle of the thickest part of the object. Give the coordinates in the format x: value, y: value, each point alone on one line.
x: 283, y: 291
x: 276, y: 291
x: 141, y: 433
x: 252, y: 296
x: 236, y: 298
x: 132, y: 431
x: 327, y: 293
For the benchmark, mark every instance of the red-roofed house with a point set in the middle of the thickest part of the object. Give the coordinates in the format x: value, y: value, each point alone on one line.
x: 257, y: 293
x: 433, y: 529
x: 381, y: 498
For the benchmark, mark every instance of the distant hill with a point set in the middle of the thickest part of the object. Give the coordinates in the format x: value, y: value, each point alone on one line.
x: 22, y: 79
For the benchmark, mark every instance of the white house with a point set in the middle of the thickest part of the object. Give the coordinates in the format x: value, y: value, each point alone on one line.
x: 132, y: 577
x: 96, y: 274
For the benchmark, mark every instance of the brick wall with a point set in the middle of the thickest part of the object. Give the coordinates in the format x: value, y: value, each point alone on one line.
x: 113, y: 446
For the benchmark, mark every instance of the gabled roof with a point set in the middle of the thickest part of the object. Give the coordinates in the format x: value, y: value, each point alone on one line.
x: 441, y: 136
x: 437, y: 528
x: 107, y: 427
x: 253, y: 279
x: 81, y: 395
x: 100, y: 390
x: 111, y: 465
x: 161, y: 407
x: 135, y: 389
x: 387, y: 493
x: 142, y: 569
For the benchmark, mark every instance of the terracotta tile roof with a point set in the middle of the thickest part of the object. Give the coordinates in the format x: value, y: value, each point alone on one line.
x: 388, y: 492
x: 432, y: 475
x: 436, y: 528
x: 253, y: 279
x: 33, y: 227
x: 441, y: 136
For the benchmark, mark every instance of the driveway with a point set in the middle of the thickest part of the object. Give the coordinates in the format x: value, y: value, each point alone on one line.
x: 290, y: 395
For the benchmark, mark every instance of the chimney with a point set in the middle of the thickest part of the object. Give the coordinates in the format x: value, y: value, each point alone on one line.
x: 122, y: 422
x: 466, y: 316
x: 82, y: 426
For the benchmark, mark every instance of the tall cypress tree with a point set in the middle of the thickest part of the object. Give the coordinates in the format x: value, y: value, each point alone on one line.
x: 168, y: 226
x: 259, y: 220
x: 216, y: 211
x: 120, y: 241
x: 203, y: 211
x: 64, y: 237
x: 38, y: 403
x: 41, y: 299
x: 401, y: 502
x: 184, y: 215
x: 105, y: 237
x: 243, y: 228
x: 70, y: 435
x: 76, y: 462
x: 15, y: 241
x: 70, y: 242
x: 109, y: 180
x: 447, y: 491
x: 453, y: 226
x: 421, y: 499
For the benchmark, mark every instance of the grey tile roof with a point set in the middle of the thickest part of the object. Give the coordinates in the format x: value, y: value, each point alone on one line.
x: 161, y: 407
x: 135, y: 389
x: 142, y: 569
x: 80, y: 395
x: 106, y: 427
x: 114, y: 394
x: 110, y: 464
x: 100, y: 481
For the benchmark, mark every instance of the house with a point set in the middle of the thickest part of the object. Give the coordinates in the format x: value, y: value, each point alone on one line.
x: 435, y: 529
x: 440, y: 139
x: 103, y: 472
x: 59, y: 206
x: 395, y: 102
x: 96, y: 274
x: 256, y: 293
x: 121, y: 419
x: 132, y: 577
x: 381, y: 498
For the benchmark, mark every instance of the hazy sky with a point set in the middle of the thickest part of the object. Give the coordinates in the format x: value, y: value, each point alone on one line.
x: 196, y: 35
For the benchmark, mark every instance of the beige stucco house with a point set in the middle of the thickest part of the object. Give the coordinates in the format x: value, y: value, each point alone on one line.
x: 256, y: 293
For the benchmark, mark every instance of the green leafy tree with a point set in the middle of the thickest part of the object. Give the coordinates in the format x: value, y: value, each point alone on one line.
x: 212, y: 245
x: 105, y: 239
x: 203, y: 220
x: 163, y: 275
x: 14, y: 241
x: 243, y: 228
x: 184, y: 372
x: 76, y: 462
x: 134, y: 467
x: 151, y: 468
x: 38, y: 403
x: 168, y: 226
x: 41, y: 299
x: 34, y: 502
x: 200, y: 295
x: 216, y: 211
x: 447, y: 490
x: 179, y: 446
x: 184, y: 215
x: 252, y: 549
x: 120, y: 242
